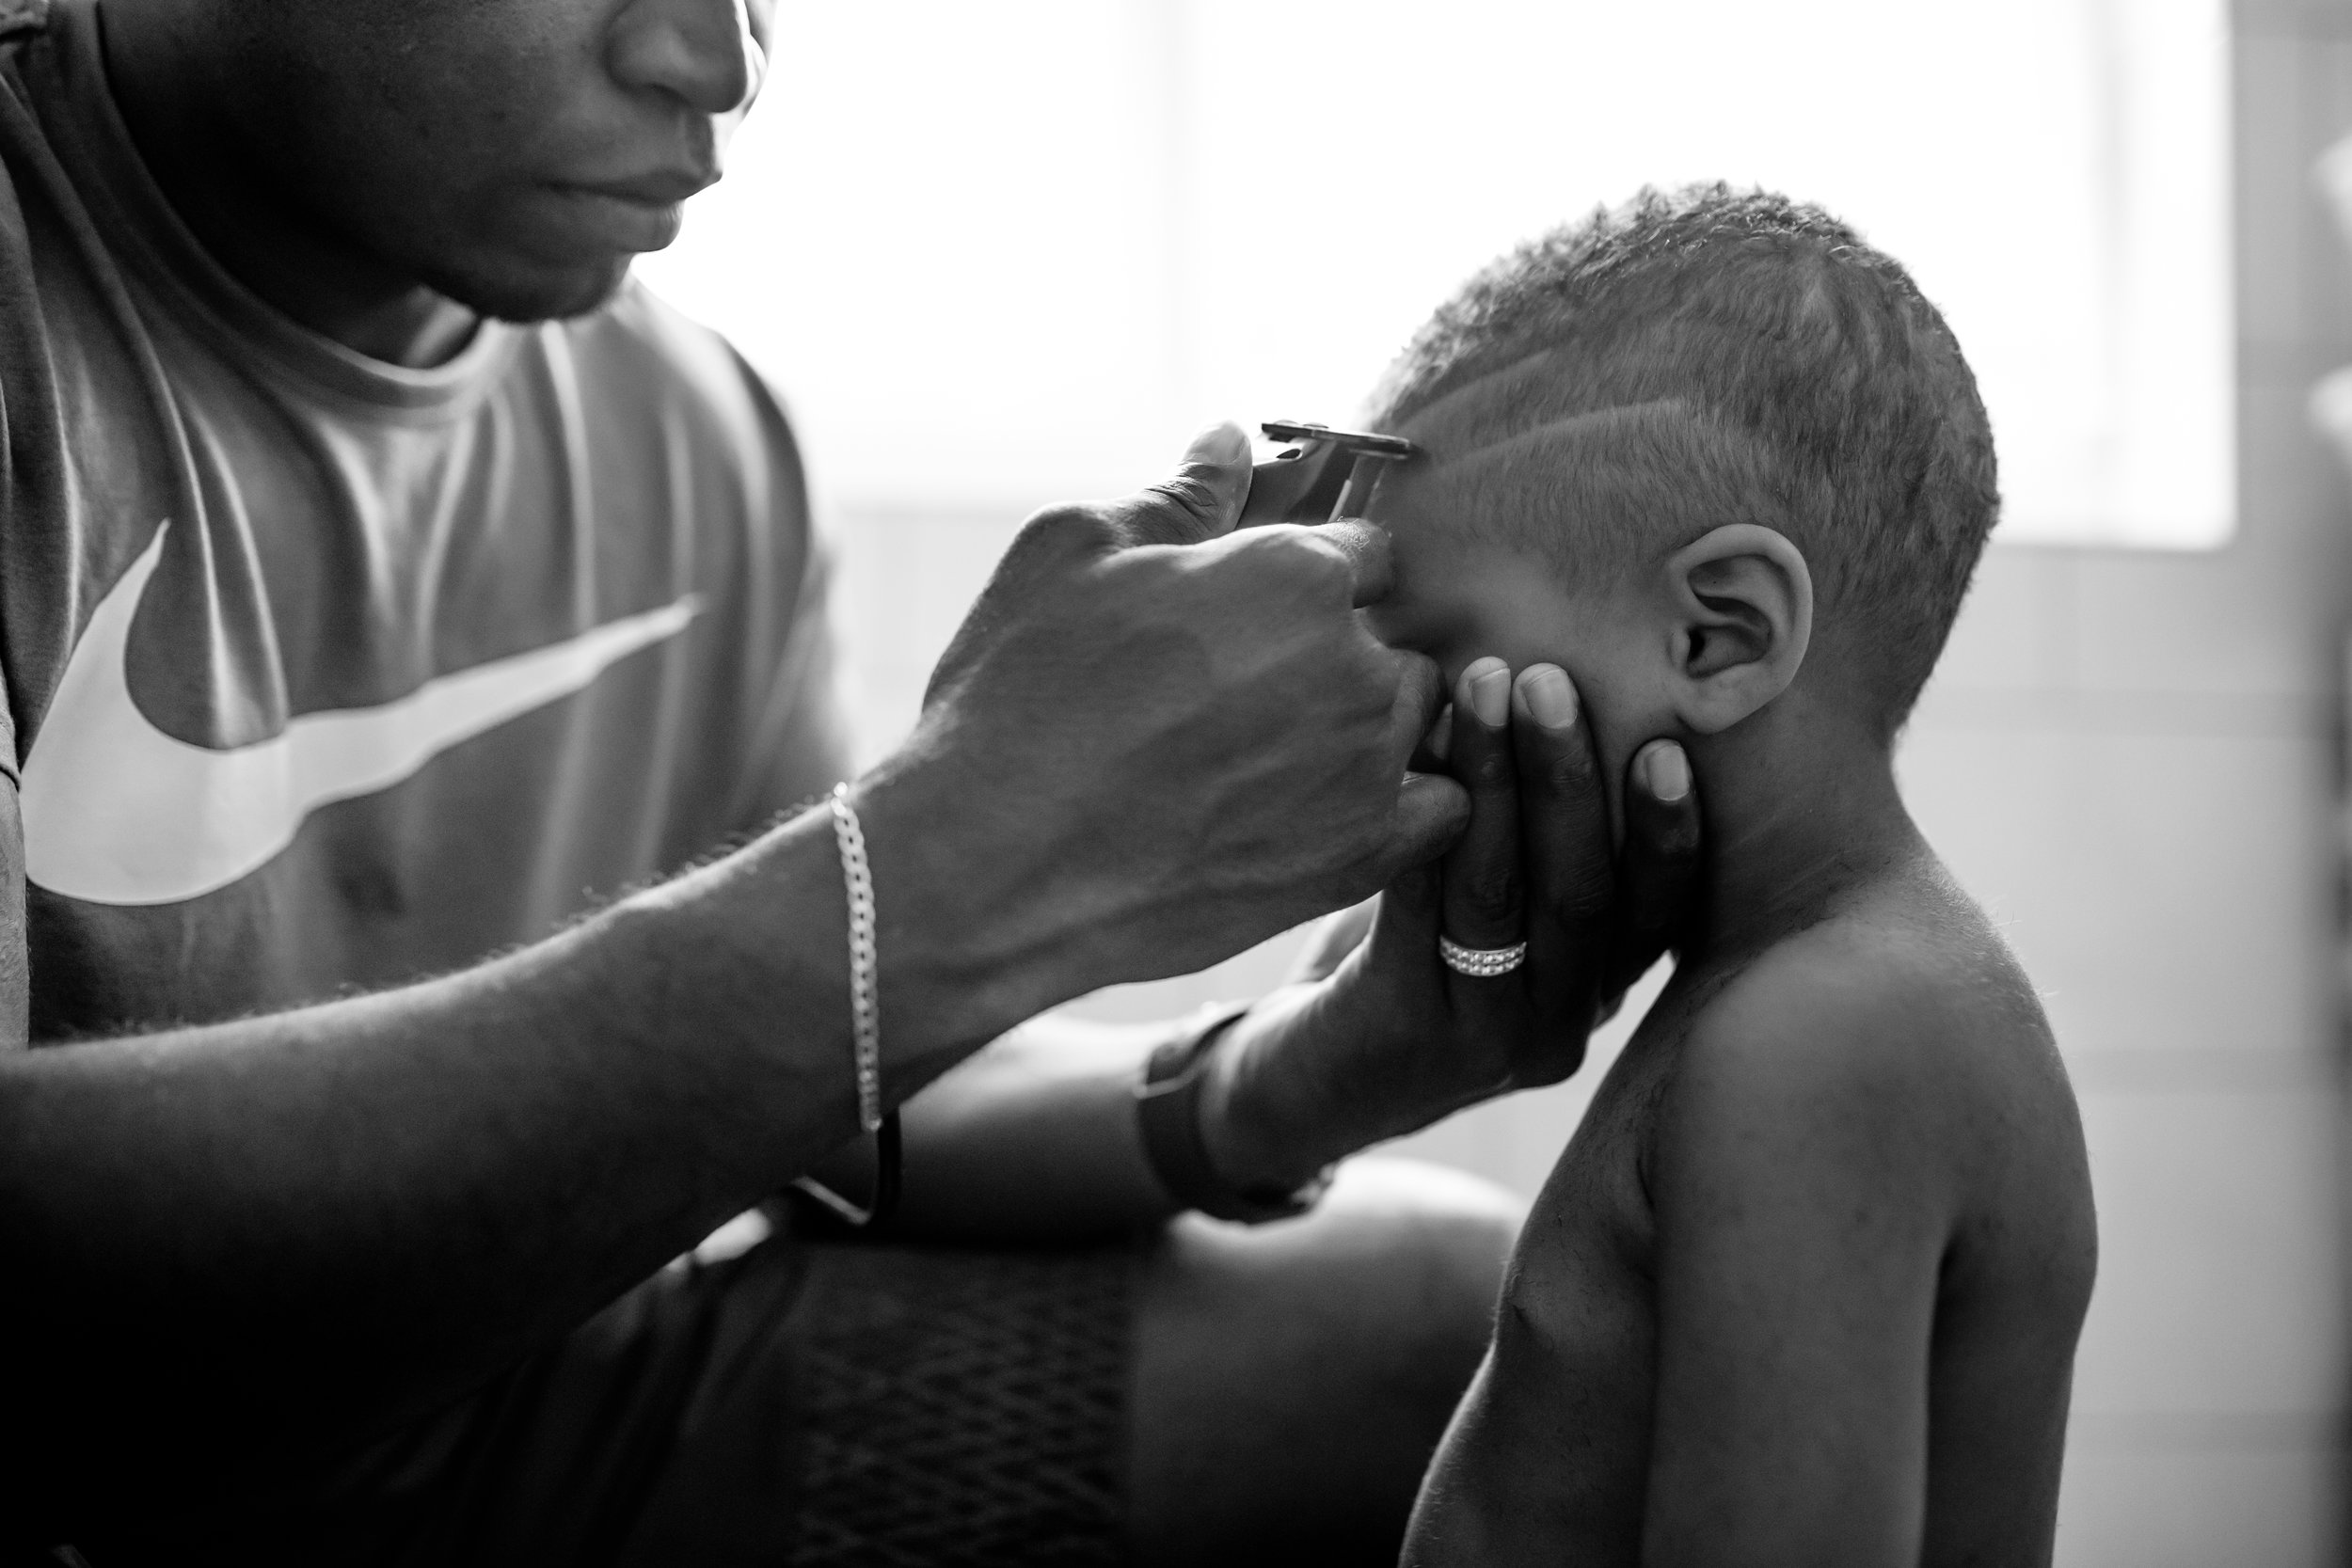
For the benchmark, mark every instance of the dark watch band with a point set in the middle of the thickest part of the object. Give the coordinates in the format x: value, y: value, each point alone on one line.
x: 1167, y: 1114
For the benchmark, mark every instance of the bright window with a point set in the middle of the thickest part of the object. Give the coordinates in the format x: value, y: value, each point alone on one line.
x: 1002, y: 254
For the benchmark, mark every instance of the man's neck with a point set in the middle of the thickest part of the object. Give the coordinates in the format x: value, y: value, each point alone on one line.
x: 1802, y: 810
x: 266, y: 241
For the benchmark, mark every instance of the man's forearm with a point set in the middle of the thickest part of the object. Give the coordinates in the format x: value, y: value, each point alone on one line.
x: 320, y: 1218
x: 1034, y: 1140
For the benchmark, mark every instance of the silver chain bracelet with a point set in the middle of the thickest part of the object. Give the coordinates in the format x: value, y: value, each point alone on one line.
x: 865, y: 1004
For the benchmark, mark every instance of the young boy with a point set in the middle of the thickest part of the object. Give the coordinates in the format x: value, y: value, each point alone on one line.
x: 1805, y: 1286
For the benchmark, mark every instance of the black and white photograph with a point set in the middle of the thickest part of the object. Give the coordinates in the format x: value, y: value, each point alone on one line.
x: 1175, y: 783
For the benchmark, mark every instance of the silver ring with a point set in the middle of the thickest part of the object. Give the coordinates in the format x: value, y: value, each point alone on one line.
x: 1481, y: 963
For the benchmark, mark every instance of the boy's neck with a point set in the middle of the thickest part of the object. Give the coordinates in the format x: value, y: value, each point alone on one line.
x: 1802, y: 811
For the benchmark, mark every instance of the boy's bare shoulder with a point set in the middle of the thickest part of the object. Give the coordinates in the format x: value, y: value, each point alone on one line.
x: 1897, y: 1041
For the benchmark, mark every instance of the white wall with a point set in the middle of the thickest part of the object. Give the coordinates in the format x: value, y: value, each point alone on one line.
x: 1004, y: 254
x: 2134, y: 760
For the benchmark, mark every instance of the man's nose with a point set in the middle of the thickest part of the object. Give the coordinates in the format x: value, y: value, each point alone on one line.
x: 700, y: 51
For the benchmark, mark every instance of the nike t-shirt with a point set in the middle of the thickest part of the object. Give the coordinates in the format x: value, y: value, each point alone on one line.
x: 317, y: 672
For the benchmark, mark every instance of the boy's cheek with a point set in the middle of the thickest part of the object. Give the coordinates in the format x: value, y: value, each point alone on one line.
x: 1446, y: 635
x: 1395, y: 626
x: 1627, y: 707
x: 1516, y: 623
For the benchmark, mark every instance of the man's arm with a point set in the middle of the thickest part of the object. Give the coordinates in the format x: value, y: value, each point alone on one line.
x: 1803, y: 1199
x: 1036, y: 1139
x: 1152, y: 745
x: 308, y: 1223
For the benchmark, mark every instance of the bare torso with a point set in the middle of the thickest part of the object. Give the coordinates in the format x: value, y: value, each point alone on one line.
x: 1549, y: 1459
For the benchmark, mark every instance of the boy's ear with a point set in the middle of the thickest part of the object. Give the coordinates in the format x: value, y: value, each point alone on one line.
x: 1740, y: 606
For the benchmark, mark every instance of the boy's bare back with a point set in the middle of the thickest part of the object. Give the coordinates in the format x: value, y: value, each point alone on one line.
x: 1806, y: 1283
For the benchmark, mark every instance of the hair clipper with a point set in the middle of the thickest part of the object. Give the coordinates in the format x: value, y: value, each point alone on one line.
x: 1328, y: 474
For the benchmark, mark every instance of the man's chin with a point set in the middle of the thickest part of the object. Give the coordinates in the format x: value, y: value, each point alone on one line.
x: 526, y: 294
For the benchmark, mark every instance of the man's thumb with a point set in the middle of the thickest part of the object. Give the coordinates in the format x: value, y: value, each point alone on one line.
x: 1203, y: 499
x: 1431, y: 811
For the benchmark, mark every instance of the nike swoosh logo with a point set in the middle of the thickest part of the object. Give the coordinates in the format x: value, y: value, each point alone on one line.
x: 117, y: 811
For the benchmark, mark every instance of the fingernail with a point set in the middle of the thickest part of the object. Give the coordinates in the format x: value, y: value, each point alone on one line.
x: 1490, y: 682
x: 1669, y: 772
x: 1551, y: 696
x: 1220, y: 444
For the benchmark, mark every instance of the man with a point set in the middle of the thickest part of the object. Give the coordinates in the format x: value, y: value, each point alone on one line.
x: 384, y: 590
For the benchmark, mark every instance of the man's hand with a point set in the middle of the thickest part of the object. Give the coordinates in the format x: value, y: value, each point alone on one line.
x: 1386, y: 1038
x: 1155, y: 741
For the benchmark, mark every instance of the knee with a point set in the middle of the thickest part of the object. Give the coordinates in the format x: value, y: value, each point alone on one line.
x: 1460, y: 1227
x: 1386, y: 1289
x: 1415, y: 1255
x: 1292, y: 1379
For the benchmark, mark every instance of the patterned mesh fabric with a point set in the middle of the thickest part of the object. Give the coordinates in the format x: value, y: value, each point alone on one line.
x: 809, y: 1402
x: 964, y: 1409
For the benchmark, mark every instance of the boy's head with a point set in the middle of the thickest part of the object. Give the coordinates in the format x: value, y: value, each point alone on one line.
x: 1676, y: 447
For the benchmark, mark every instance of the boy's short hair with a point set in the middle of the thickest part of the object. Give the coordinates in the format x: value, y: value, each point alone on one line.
x: 1721, y: 357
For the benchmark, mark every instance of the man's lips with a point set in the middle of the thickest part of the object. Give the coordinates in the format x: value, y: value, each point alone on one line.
x: 636, y: 214
x: 659, y: 188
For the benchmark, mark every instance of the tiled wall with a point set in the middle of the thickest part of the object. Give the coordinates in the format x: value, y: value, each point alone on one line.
x: 2131, y: 758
